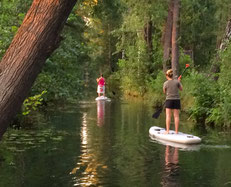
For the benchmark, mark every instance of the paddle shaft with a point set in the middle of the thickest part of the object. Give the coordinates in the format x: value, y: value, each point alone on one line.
x: 183, y: 72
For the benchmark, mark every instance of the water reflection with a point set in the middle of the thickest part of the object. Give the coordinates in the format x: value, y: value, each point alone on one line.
x: 86, y: 172
x: 100, y: 112
x: 117, y: 154
x: 86, y: 167
x: 184, y: 147
x: 171, y: 170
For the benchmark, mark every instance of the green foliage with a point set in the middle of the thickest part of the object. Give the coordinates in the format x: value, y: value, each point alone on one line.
x: 156, y: 89
x: 29, y: 111
x: 102, y: 19
x: 157, y: 56
x: 221, y: 113
x: 222, y: 15
x: 198, y: 29
x: 32, y: 103
x: 63, y: 74
x: 134, y: 69
x: 11, y: 16
x: 183, y: 60
x: 138, y: 65
x: 206, y: 100
x: 203, y: 90
x: 108, y: 37
x: 212, y: 99
x: 114, y: 88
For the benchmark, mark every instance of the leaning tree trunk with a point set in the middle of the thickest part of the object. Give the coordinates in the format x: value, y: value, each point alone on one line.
x: 167, y: 37
x: 36, y: 39
x: 175, y: 37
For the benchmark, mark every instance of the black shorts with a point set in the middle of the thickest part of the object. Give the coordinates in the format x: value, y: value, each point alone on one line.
x: 172, y: 104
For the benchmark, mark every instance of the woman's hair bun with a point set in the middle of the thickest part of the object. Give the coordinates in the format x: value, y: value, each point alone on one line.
x: 169, y: 73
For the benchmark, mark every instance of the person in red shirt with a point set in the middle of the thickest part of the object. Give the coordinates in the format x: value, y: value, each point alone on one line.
x: 101, y: 85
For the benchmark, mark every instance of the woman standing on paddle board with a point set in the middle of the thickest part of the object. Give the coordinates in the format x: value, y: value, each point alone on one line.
x: 101, y: 85
x: 171, y: 88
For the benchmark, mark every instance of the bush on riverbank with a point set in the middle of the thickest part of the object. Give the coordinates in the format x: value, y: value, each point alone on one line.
x: 206, y: 101
x: 221, y: 113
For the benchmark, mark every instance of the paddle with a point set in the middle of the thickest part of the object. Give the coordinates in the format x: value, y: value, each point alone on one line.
x: 157, y: 113
x: 186, y: 66
x: 159, y: 110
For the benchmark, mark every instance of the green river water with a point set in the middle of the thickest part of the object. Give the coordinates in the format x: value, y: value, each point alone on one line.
x: 107, y: 144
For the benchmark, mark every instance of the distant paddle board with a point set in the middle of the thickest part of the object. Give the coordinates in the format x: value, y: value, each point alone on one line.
x: 182, y: 138
x: 102, y: 98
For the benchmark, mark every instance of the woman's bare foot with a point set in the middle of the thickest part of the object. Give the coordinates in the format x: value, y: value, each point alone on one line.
x: 166, y: 132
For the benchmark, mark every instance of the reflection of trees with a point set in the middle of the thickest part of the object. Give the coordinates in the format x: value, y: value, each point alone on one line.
x: 171, y: 171
x: 87, y: 169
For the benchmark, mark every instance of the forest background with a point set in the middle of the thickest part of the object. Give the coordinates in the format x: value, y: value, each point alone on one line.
x: 124, y: 40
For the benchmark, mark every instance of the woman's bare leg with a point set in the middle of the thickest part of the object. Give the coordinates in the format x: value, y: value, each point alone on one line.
x: 168, y: 119
x: 176, y: 119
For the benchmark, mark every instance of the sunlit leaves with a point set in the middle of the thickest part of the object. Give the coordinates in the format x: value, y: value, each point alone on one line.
x: 32, y: 103
x: 85, y: 7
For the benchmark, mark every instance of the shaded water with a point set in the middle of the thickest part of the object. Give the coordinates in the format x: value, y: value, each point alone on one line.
x: 107, y: 144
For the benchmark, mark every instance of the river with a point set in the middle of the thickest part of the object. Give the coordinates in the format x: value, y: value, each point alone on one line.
x: 107, y: 144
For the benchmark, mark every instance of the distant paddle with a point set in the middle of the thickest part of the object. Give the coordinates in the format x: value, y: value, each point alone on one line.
x: 159, y: 110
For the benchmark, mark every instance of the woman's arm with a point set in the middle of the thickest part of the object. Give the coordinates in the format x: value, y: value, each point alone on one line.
x: 180, y: 86
x: 164, y: 88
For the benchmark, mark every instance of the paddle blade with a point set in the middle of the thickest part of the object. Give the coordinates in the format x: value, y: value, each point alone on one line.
x: 157, y: 113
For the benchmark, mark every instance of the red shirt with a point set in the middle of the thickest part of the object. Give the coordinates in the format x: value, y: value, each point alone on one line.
x: 101, y: 82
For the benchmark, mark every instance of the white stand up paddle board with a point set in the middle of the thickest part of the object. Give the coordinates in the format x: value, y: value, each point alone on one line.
x: 159, y: 133
x: 184, y: 147
x: 102, y: 98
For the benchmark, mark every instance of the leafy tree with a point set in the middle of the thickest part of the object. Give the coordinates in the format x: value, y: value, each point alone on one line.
x: 136, y: 67
x: 11, y: 16
x: 198, y: 30
x: 64, y: 72
x: 35, y: 40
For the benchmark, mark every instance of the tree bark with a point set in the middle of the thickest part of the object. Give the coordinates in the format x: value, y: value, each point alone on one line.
x: 226, y: 39
x: 148, y: 36
x: 167, y: 36
x: 109, y: 49
x: 175, y: 37
x: 36, y: 39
